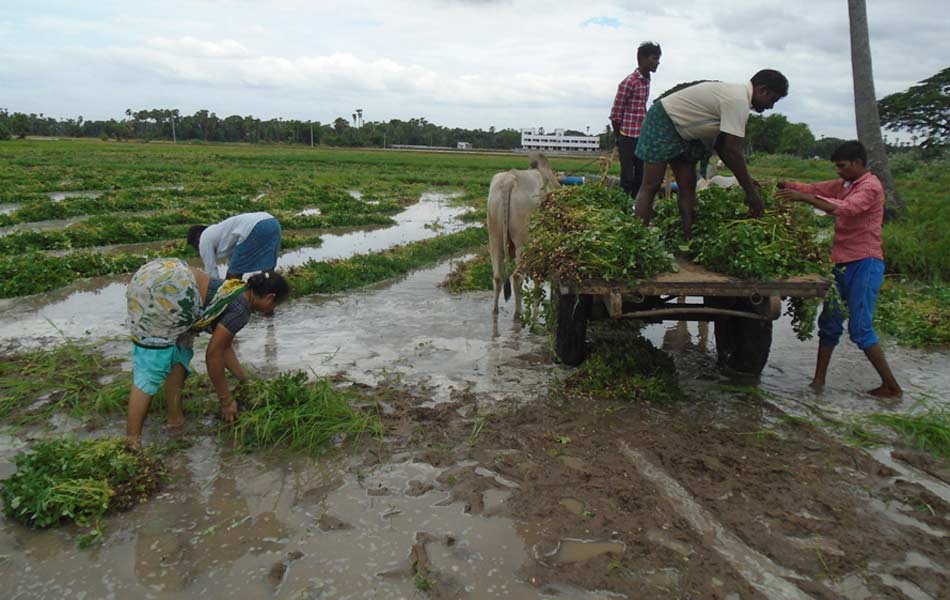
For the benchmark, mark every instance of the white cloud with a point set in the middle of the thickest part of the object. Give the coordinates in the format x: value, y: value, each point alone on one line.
x: 509, y: 63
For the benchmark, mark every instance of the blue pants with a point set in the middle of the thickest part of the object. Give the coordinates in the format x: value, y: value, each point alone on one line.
x: 258, y: 252
x: 858, y: 283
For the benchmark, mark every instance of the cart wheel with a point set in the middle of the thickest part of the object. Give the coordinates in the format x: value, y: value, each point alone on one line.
x: 570, y: 338
x: 743, y: 344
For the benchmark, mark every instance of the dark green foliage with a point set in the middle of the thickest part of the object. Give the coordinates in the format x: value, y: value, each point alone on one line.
x: 291, y: 412
x: 339, y: 275
x: 922, y: 109
x: 588, y: 232
x: 37, y: 272
x: 915, y: 313
x: 77, y: 480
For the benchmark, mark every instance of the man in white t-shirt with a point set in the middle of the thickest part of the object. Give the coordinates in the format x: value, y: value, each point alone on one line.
x: 686, y: 126
x: 250, y: 242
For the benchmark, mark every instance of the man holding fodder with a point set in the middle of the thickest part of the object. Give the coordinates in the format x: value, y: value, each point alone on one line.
x: 857, y: 202
x: 684, y: 128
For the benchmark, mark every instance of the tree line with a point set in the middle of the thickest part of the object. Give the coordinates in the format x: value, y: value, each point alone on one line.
x: 922, y: 110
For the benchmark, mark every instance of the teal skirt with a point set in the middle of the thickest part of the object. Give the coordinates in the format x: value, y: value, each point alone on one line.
x: 660, y: 142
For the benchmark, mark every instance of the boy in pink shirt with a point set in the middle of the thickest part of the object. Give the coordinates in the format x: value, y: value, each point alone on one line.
x: 857, y: 203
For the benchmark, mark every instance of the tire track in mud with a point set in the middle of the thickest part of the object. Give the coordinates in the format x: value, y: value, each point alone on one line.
x: 756, y: 568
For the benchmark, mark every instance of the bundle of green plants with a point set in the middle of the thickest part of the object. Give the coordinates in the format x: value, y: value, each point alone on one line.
x: 64, y: 480
x: 291, y: 412
x: 588, y: 232
x: 915, y: 313
x: 315, y: 277
x: 472, y: 275
x: 633, y: 370
x: 784, y: 242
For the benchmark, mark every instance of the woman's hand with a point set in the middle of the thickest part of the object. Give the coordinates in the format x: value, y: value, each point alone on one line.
x: 229, y: 411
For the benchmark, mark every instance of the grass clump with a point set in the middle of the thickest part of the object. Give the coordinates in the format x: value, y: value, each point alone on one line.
x: 928, y: 430
x: 333, y: 276
x: 472, y: 275
x: 35, y: 384
x: 630, y: 371
x: 66, y: 480
x: 588, y: 232
x: 915, y: 313
x: 291, y: 412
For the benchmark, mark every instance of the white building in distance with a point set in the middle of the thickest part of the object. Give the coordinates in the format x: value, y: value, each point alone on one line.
x: 536, y: 139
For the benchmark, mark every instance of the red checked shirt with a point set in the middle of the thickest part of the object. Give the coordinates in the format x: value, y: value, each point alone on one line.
x: 630, y: 103
x: 859, y: 215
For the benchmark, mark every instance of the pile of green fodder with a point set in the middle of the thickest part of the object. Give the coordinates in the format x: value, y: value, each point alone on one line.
x: 292, y: 412
x: 786, y: 241
x: 631, y: 371
x: 65, y: 480
x: 589, y: 232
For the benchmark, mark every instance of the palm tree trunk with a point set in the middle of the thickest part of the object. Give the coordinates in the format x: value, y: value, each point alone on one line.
x: 865, y: 106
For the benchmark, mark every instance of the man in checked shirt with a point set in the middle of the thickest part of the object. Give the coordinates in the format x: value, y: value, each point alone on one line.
x: 628, y: 111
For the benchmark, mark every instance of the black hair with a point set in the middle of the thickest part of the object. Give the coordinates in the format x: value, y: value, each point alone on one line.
x: 773, y: 81
x: 851, y: 150
x: 648, y: 49
x: 194, y: 235
x: 269, y: 282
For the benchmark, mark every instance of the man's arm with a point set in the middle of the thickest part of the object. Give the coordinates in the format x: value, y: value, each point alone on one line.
x: 620, y: 101
x: 799, y: 196
x: 730, y: 149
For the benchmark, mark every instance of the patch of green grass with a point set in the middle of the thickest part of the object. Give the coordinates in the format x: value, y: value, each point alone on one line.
x: 345, y: 274
x: 36, y: 384
x: 928, y: 430
x: 77, y: 480
x: 630, y: 371
x: 472, y: 275
x: 915, y: 313
x: 288, y: 411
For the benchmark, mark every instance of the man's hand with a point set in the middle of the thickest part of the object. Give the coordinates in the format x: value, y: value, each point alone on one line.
x: 790, y: 194
x: 754, y: 200
x: 229, y: 411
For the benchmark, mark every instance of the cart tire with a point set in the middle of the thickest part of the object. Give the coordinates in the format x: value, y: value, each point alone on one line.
x: 743, y: 344
x: 570, y: 338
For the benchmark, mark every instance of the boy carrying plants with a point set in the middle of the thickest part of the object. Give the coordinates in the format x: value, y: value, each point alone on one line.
x: 857, y: 203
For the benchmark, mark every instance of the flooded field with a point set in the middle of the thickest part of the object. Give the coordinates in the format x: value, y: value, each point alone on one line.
x: 491, y: 479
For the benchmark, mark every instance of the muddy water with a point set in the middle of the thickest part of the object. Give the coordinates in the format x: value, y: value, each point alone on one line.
x: 295, y: 527
x: 95, y: 308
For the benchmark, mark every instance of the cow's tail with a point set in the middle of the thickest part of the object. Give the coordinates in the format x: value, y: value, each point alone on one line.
x: 508, y: 186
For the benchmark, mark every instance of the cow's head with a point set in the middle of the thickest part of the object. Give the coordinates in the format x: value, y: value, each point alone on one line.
x: 540, y: 163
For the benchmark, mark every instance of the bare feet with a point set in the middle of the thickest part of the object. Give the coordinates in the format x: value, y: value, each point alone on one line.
x: 886, y: 392
x: 133, y: 443
x: 175, y: 425
x: 817, y: 385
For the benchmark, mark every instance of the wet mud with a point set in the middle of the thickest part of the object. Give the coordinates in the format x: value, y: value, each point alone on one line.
x: 489, y: 482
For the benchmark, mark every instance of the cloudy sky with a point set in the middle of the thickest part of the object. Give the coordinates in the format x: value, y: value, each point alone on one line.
x: 466, y: 63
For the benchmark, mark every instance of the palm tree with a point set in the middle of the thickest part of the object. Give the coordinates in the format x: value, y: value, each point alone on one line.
x: 865, y: 106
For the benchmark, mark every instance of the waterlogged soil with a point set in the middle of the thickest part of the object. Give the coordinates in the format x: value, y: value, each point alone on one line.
x: 490, y: 483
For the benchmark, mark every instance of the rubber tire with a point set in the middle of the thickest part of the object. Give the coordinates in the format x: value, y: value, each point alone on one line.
x: 743, y: 344
x: 570, y: 337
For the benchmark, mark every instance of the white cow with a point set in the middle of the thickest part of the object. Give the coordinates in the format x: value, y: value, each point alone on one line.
x: 512, y: 197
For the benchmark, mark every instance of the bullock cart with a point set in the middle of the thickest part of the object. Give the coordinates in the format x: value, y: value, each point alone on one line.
x: 742, y: 310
